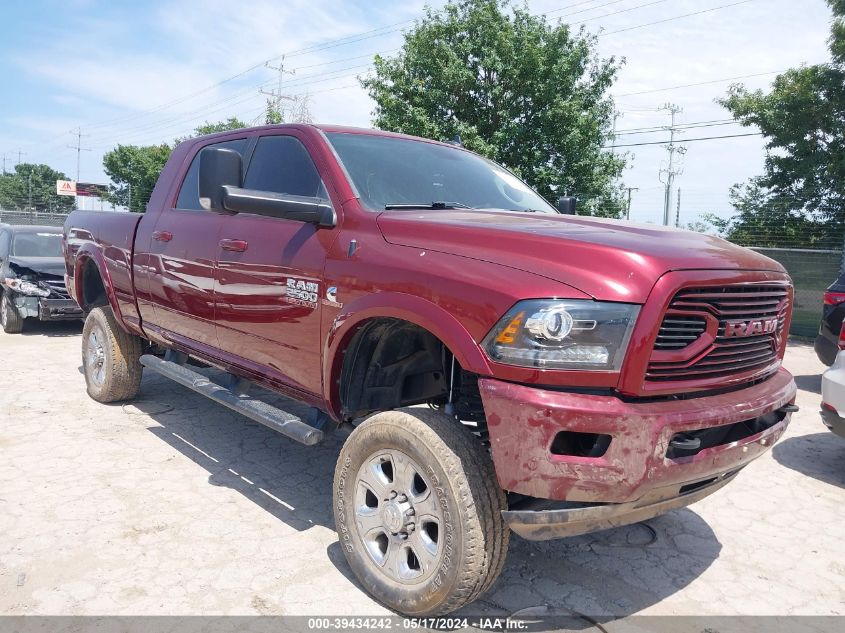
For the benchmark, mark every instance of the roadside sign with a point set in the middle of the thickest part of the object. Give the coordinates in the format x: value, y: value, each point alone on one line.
x: 65, y: 187
x: 90, y: 189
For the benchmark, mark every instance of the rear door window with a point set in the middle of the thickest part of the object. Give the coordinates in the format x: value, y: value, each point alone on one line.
x: 189, y: 196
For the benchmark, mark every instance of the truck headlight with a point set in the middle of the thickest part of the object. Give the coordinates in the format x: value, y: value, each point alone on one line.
x: 563, y: 334
x: 26, y: 287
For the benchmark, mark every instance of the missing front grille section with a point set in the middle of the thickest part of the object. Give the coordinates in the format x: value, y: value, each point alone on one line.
x: 691, y: 443
x: 575, y: 444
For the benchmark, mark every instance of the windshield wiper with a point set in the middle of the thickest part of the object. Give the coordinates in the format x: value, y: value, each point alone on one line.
x: 426, y: 205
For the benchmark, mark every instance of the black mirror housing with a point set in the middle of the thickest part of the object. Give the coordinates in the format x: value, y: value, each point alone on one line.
x: 566, y: 205
x: 283, y: 206
x: 219, y: 168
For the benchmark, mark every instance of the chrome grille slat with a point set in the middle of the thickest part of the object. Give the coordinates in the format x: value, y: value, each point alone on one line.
x: 678, y: 332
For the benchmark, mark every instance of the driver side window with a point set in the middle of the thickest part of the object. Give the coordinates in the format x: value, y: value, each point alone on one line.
x: 281, y: 164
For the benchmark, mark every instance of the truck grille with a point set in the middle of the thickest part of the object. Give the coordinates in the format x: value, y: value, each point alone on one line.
x: 750, y: 320
x: 58, y: 287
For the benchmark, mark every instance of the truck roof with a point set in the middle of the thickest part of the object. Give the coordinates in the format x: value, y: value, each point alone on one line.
x: 323, y: 127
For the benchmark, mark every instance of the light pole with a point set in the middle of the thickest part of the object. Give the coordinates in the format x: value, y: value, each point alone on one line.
x: 30, y: 195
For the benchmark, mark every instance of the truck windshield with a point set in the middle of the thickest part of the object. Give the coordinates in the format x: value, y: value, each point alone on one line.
x: 37, y: 245
x: 403, y: 173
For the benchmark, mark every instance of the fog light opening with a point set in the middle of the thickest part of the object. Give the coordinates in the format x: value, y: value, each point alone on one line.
x: 573, y: 444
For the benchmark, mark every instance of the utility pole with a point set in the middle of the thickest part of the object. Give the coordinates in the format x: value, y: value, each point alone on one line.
x: 616, y: 115
x: 628, y: 207
x: 4, y: 163
x: 672, y: 170
x: 20, y: 153
x: 30, y: 195
x: 78, y: 147
x: 678, y: 210
x: 277, y: 95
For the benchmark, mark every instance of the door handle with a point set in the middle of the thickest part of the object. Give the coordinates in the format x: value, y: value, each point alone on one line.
x: 162, y: 236
x: 237, y: 246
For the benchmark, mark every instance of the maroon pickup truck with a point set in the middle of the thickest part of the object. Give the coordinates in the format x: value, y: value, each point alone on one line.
x: 579, y: 373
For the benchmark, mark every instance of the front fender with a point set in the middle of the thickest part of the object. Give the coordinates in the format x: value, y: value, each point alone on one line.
x: 413, y: 309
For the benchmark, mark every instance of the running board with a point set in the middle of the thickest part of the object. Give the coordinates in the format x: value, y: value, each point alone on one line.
x: 272, y: 417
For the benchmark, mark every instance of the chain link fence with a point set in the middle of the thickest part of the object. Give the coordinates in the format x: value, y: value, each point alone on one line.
x: 39, y: 218
x: 812, y: 271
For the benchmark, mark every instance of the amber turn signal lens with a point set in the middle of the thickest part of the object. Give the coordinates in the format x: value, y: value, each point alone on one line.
x: 508, y: 335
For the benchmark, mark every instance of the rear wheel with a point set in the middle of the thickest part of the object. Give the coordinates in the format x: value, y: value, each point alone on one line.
x: 110, y: 358
x: 10, y: 318
x: 418, y: 512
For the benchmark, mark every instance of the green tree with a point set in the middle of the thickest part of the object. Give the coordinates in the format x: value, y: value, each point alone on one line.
x: 274, y: 114
x: 524, y: 92
x: 134, y: 169
x: 803, y: 121
x: 35, y: 185
x: 232, y: 123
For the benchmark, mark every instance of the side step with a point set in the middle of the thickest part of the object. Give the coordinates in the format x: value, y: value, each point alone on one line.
x: 283, y: 422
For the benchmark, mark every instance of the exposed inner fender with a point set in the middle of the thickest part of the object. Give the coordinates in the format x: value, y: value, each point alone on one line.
x: 391, y: 363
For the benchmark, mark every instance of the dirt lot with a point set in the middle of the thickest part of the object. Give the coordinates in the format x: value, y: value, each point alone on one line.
x: 174, y: 505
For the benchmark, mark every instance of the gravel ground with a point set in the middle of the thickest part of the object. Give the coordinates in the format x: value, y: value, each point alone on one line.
x: 174, y: 505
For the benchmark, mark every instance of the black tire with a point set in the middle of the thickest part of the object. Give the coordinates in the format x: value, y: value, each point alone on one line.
x: 110, y: 358
x: 470, y: 545
x: 10, y: 318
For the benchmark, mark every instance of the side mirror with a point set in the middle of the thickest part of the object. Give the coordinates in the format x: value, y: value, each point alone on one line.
x: 566, y: 205
x: 283, y: 206
x: 219, y: 168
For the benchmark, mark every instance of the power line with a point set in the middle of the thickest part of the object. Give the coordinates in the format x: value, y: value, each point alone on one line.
x: 701, y: 83
x: 606, y: 15
x: 677, y: 17
x: 685, y: 126
x: 690, y: 140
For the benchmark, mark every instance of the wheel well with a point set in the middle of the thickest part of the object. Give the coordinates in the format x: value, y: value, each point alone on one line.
x: 392, y: 363
x: 93, y: 289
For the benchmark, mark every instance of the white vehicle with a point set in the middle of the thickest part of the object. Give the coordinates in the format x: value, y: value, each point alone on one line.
x: 833, y: 396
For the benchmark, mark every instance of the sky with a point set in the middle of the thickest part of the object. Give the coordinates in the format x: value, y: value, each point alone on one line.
x: 150, y: 71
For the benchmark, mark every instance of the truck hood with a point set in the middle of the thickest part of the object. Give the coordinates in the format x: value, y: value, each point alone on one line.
x: 609, y: 260
x: 54, y: 266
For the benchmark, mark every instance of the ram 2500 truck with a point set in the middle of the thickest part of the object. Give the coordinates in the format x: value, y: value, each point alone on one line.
x: 580, y: 373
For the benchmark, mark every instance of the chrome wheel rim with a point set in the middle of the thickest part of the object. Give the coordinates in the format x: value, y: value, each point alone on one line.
x: 398, y: 517
x: 95, y: 357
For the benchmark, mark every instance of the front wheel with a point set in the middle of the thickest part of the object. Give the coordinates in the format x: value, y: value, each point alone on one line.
x: 10, y: 318
x: 418, y: 512
x: 110, y: 358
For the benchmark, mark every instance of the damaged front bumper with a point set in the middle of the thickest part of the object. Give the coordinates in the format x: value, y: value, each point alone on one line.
x: 542, y: 520
x: 47, y: 309
x: 588, y: 462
